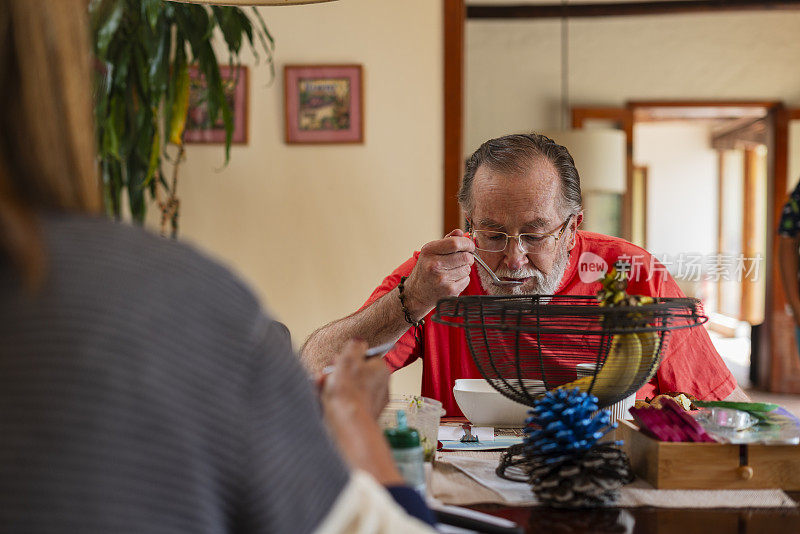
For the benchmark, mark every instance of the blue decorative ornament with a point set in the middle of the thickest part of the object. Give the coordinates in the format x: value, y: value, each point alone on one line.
x: 562, y: 425
x: 567, y: 464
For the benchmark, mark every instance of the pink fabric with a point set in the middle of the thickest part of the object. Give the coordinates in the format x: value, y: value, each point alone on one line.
x: 691, y: 364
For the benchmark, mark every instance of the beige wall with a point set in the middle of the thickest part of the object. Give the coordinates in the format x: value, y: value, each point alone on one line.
x: 679, y: 158
x: 513, y: 68
x: 315, y: 228
x: 794, y: 155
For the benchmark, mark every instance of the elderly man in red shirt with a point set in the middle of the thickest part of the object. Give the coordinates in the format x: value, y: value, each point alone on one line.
x: 521, y: 197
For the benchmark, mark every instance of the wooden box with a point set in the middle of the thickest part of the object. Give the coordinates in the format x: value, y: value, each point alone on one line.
x: 668, y: 465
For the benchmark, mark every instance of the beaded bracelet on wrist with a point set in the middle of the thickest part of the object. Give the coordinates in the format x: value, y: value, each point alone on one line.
x: 409, y: 319
x: 417, y: 325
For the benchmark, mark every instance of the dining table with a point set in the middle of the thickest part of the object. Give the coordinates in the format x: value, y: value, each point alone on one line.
x: 650, y: 520
x: 736, y: 518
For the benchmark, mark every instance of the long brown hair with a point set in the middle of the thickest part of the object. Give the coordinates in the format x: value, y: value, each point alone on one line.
x: 47, y: 152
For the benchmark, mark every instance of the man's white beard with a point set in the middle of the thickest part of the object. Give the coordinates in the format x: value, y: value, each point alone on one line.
x: 537, y: 283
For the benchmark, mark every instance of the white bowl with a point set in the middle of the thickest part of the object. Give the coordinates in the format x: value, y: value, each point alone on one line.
x: 485, y: 406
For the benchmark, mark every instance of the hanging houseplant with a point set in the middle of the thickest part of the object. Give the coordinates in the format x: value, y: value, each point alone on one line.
x: 143, y: 50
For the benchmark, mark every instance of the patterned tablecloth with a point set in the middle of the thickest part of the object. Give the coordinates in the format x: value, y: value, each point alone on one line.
x: 468, y: 477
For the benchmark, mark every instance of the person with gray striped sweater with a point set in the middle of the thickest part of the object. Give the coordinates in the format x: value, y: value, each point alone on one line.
x: 142, y: 387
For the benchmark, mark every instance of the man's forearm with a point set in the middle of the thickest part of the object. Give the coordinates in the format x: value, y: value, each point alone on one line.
x: 381, y: 322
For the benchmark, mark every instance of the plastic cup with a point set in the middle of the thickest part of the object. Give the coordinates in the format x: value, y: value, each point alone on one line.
x: 423, y: 414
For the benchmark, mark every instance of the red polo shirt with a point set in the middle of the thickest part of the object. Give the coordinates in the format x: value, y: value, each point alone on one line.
x: 690, y: 365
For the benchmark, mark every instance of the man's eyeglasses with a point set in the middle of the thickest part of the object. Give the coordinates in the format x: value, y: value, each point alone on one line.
x: 494, y: 241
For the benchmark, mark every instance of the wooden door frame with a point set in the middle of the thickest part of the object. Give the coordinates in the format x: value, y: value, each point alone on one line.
x: 622, y: 9
x: 621, y: 118
x: 746, y: 136
x: 777, y: 344
x: 749, y: 235
x: 644, y: 170
x: 455, y: 13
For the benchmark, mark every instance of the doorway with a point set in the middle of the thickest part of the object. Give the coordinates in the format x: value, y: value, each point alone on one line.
x: 709, y: 207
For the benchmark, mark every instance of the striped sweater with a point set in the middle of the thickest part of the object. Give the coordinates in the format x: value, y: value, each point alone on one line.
x: 142, y: 389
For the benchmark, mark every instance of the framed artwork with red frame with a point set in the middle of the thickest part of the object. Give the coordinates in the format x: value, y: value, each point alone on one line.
x: 324, y: 103
x: 198, y: 122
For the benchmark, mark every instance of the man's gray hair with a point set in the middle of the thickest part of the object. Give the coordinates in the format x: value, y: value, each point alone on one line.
x: 514, y: 154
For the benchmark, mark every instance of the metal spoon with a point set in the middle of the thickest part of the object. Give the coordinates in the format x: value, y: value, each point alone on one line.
x: 495, y: 280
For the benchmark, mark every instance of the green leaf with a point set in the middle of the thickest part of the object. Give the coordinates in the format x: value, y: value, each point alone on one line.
x: 215, y: 89
x: 141, y: 73
x: 128, y: 136
x: 267, y: 42
x: 750, y: 407
x: 196, y: 25
x: 160, y: 63
x: 151, y: 10
x: 247, y: 28
x: 155, y: 158
x: 115, y: 127
x: 265, y: 30
x: 141, y: 94
x: 120, y: 75
x: 136, y: 172
x: 107, y: 79
x: 113, y: 181
x: 231, y: 28
x: 227, y: 119
x: 172, y: 82
x: 109, y: 16
x: 180, y: 105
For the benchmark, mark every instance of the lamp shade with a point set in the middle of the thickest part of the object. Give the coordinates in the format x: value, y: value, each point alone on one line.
x: 599, y: 156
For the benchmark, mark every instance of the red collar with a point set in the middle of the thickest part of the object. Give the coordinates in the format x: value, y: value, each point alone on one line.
x: 572, y: 263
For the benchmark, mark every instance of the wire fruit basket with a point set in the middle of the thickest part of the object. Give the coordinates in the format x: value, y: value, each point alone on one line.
x: 525, y: 345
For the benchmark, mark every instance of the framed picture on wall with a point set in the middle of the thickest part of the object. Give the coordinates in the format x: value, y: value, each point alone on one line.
x: 199, y: 128
x: 324, y: 104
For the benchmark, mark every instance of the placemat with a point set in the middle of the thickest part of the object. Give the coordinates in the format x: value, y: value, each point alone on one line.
x: 463, y: 478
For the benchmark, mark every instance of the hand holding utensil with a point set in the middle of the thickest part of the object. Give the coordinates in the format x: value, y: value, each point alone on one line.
x: 442, y: 270
x: 355, y: 380
x: 380, y: 350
